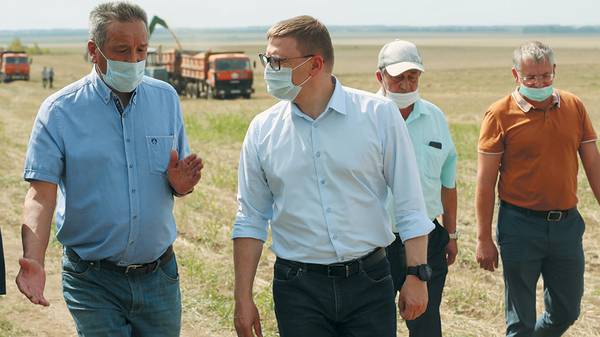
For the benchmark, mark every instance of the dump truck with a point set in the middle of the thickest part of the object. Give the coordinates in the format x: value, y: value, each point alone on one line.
x: 223, y: 74
x: 14, y: 65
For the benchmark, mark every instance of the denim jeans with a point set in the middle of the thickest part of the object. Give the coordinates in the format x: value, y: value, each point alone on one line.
x: 429, y: 323
x: 108, y: 303
x: 309, y: 304
x: 531, y: 246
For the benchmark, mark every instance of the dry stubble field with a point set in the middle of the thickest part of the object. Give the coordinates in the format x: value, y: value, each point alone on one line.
x: 464, y: 75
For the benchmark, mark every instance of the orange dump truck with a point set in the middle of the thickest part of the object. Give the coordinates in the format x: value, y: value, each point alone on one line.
x: 202, y: 74
x: 14, y: 65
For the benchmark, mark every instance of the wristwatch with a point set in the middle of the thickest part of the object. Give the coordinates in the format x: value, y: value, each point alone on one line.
x: 422, y: 271
x: 454, y: 236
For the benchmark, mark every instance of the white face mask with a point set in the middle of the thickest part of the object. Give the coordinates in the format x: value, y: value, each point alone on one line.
x: 279, y: 82
x: 123, y: 76
x: 403, y: 100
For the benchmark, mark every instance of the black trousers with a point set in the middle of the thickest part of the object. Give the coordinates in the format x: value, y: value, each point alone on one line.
x: 2, y: 270
x: 429, y: 324
x: 310, y: 304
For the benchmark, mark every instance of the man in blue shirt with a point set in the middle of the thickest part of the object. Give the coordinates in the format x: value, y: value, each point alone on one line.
x: 399, y: 69
x: 317, y: 167
x: 110, y: 143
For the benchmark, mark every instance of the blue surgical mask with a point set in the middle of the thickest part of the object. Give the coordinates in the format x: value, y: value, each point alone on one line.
x: 536, y: 94
x: 123, y: 76
x: 280, y: 85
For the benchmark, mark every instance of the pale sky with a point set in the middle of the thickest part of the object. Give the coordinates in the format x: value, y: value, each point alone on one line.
x: 48, y: 14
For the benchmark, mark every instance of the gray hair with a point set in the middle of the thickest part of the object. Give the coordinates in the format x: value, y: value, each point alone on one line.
x: 106, y: 13
x: 533, y: 50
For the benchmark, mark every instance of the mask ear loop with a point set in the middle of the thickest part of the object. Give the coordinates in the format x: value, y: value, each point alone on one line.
x: 309, y: 76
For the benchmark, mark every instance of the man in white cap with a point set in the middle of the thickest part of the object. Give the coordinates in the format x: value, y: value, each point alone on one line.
x: 399, y: 69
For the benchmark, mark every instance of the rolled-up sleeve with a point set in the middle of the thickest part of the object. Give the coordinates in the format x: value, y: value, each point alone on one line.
x: 255, y: 200
x: 45, y: 153
x: 402, y: 176
x: 448, y: 176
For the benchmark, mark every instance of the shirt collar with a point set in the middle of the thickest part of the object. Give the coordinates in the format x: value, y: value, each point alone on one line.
x: 526, y: 106
x: 417, y: 112
x: 337, y: 102
x: 103, y: 90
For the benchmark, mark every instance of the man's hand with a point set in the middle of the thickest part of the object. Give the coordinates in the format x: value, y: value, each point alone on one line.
x: 487, y: 254
x: 247, y: 319
x: 413, y: 298
x: 451, y: 251
x: 31, y: 281
x: 184, y: 174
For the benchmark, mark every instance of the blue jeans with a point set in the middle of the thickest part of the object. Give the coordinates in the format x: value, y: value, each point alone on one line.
x: 531, y: 246
x: 308, y: 304
x: 429, y: 324
x: 108, y: 303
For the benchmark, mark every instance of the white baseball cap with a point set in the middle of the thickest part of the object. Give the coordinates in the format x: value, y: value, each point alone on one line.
x: 399, y: 56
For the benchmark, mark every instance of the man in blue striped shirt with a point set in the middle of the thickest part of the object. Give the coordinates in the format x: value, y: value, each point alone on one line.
x: 110, y: 145
x: 399, y: 69
x: 316, y: 167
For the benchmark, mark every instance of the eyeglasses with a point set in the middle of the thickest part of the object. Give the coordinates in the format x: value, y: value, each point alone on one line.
x: 532, y: 79
x: 275, y: 62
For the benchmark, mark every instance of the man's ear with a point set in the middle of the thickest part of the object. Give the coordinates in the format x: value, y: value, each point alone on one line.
x: 92, y: 52
x: 515, y: 74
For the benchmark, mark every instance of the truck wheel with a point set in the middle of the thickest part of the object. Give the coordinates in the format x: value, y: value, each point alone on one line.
x: 27, y: 78
x: 246, y: 96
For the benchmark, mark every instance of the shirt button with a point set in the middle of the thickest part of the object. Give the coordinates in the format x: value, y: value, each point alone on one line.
x: 322, y: 181
x: 315, y: 125
x: 130, y: 165
x: 128, y: 140
x: 318, y: 154
x: 131, y: 242
x: 334, y: 236
x: 135, y: 217
x: 133, y: 190
x: 328, y: 210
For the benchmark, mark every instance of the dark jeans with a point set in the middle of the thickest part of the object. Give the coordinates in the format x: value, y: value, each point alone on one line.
x: 429, y: 323
x: 104, y: 302
x: 531, y: 246
x: 2, y: 270
x: 310, y: 304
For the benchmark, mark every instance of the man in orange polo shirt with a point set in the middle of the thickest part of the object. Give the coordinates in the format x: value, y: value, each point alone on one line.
x: 531, y: 139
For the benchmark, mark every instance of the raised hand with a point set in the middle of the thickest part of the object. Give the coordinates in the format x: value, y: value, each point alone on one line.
x: 184, y: 174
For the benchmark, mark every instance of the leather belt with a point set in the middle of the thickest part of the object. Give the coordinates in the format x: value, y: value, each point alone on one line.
x: 344, y: 269
x: 144, y: 268
x: 555, y: 215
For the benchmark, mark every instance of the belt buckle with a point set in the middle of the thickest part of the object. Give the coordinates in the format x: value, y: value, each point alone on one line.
x: 332, y: 267
x: 132, y: 267
x: 554, y: 215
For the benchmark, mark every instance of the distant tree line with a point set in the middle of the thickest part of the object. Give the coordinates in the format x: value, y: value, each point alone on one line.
x: 34, y: 49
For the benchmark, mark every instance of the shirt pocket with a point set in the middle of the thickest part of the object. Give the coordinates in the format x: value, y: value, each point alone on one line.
x: 159, y: 151
x: 433, y: 161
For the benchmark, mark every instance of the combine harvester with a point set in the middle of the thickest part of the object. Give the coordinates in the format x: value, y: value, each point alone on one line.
x: 222, y: 74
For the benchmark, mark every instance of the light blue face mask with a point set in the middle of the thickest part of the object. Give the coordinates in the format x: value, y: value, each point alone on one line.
x: 536, y: 94
x: 123, y: 76
x: 279, y: 82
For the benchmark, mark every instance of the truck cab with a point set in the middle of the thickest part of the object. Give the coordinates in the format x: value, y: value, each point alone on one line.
x: 14, y: 66
x: 230, y: 75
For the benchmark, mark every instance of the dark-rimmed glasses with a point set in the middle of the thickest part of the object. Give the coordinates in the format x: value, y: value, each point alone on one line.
x: 275, y: 62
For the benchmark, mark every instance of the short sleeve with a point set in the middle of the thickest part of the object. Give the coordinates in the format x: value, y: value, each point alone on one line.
x: 491, y: 136
x: 45, y: 153
x: 588, y: 134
